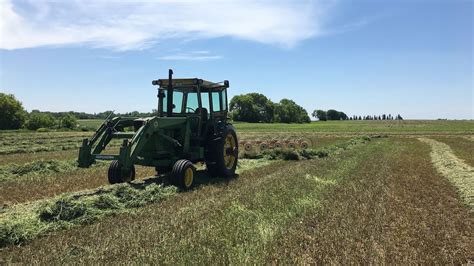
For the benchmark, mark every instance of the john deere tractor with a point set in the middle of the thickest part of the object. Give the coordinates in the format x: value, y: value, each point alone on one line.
x: 191, y: 127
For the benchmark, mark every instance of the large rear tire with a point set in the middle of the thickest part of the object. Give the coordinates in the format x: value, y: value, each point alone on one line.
x: 117, y: 175
x: 222, y: 154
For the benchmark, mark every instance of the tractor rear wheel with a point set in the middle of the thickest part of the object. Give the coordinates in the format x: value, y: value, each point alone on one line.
x: 116, y: 175
x: 222, y: 154
x: 183, y: 174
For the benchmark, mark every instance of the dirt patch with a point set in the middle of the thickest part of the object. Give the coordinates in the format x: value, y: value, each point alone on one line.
x: 453, y: 168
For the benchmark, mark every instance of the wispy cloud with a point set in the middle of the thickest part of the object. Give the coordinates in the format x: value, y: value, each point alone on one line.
x: 128, y: 25
x: 353, y: 25
x: 191, y: 56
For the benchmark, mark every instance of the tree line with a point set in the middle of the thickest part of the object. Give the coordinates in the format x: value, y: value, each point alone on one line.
x: 14, y: 116
x: 257, y: 108
x: 251, y: 107
x: 332, y: 114
x: 377, y: 117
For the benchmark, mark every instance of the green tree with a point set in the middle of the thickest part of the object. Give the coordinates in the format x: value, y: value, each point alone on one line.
x: 320, y: 115
x: 38, y: 120
x: 12, y: 114
x: 287, y: 111
x: 252, y: 107
x: 68, y: 121
x: 342, y: 116
x: 333, y: 114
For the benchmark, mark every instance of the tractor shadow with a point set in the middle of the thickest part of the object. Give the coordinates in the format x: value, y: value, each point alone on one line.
x: 202, y: 178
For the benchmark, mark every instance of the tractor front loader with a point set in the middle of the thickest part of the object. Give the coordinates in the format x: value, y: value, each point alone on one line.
x: 191, y: 127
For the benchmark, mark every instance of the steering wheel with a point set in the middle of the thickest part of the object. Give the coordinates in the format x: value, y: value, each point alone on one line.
x: 193, y: 110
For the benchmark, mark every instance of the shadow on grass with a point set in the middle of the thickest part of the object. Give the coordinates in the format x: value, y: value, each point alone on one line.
x: 202, y: 178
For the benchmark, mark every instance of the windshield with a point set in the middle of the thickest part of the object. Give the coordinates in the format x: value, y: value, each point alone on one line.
x: 188, y: 102
x: 177, y: 101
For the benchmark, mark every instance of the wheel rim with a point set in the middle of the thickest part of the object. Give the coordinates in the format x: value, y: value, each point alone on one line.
x: 188, y: 177
x: 229, y: 151
x: 248, y: 147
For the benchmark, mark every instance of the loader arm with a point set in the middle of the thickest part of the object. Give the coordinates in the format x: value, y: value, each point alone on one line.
x: 101, y: 138
x: 134, y: 143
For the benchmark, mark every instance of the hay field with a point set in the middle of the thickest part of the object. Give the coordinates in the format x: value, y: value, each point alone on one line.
x: 368, y: 192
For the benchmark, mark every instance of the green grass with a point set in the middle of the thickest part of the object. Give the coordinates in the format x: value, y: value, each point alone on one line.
x: 392, y: 127
x: 405, y: 126
x: 90, y: 123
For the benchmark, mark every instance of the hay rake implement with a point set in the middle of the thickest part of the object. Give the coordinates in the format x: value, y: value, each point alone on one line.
x: 249, y: 145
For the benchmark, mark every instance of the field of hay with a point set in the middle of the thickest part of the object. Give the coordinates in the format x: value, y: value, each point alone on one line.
x: 365, y: 192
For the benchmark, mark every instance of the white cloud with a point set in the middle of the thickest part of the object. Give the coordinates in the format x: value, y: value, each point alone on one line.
x: 127, y: 25
x: 191, y: 56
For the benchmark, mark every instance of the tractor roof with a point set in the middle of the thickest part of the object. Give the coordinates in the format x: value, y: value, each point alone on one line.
x: 192, y: 82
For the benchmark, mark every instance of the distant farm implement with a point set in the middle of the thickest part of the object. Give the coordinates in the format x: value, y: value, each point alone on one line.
x: 191, y: 127
x: 257, y: 144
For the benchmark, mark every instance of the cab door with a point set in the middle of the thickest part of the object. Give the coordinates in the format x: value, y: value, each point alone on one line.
x: 192, y: 111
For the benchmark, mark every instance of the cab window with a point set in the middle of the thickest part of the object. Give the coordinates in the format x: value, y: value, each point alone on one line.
x: 177, y: 101
x: 216, y: 101
x: 223, y: 99
x: 192, y: 103
x: 205, y: 101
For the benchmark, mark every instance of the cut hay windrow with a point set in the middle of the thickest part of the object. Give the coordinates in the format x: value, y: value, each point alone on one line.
x: 41, y: 136
x: 39, y: 168
x: 38, y: 142
x: 33, y: 141
x: 23, y: 222
x: 41, y: 148
x: 470, y: 137
x: 454, y: 169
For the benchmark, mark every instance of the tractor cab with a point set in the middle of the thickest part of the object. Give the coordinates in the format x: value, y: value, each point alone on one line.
x: 204, y: 102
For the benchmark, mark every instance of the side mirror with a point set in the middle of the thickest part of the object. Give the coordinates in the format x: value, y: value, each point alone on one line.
x: 174, y: 106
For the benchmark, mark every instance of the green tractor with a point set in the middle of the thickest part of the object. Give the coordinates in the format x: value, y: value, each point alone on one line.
x: 191, y: 127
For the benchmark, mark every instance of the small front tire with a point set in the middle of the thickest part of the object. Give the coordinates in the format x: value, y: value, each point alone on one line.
x: 183, y: 174
x: 117, y: 175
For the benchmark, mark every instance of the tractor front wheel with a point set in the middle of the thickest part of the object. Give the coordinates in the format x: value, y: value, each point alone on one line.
x: 116, y: 173
x: 183, y: 174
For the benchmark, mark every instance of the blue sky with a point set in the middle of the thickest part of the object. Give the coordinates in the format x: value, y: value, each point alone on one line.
x: 362, y: 57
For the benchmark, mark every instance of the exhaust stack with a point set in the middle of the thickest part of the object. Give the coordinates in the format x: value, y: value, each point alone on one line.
x: 169, y: 107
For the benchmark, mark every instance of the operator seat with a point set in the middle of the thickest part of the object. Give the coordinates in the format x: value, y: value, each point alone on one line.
x: 204, y: 113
